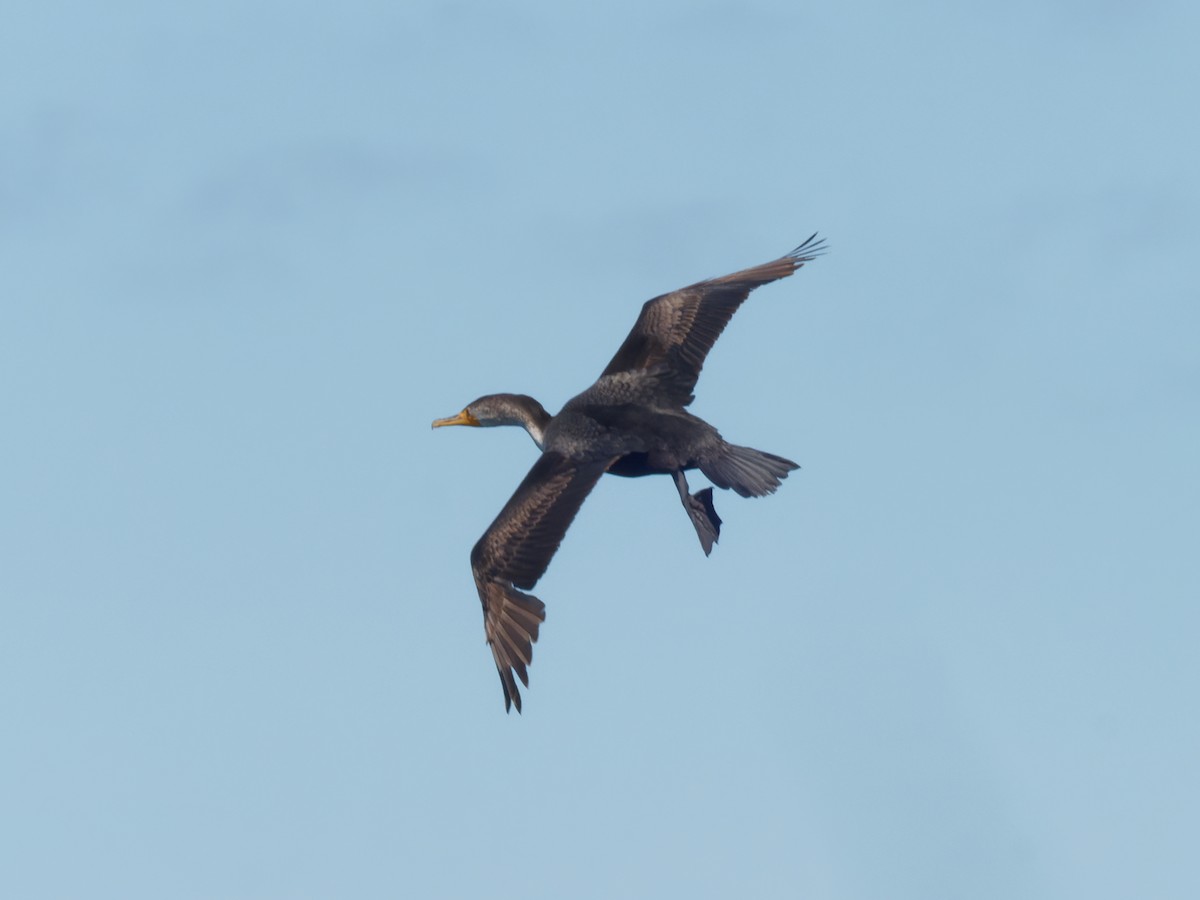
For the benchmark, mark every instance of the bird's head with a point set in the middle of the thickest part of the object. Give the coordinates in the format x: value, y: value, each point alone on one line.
x: 502, y: 409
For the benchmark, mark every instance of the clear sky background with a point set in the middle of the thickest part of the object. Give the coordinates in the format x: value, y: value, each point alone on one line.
x: 248, y: 251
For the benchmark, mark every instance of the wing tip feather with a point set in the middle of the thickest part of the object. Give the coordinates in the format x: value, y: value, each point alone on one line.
x: 809, y: 250
x: 511, y: 621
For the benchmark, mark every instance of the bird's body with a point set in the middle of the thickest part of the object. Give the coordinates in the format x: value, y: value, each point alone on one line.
x: 648, y: 441
x: 631, y: 422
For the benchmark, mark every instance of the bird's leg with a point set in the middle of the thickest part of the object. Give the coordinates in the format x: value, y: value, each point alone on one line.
x: 700, y: 510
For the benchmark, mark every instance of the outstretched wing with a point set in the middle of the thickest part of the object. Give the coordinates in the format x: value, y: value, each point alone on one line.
x: 674, y: 332
x: 514, y: 553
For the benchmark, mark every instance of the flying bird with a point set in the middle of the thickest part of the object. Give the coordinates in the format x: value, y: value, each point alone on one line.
x: 633, y: 421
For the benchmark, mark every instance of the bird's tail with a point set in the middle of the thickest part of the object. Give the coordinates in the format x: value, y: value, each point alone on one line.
x: 750, y: 472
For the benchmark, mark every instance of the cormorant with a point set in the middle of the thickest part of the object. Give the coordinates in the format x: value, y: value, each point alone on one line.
x: 631, y: 422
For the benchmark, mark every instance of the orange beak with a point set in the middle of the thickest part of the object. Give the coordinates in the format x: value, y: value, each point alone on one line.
x: 463, y: 418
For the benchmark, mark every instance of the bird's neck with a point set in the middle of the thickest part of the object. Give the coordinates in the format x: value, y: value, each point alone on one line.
x: 532, y: 416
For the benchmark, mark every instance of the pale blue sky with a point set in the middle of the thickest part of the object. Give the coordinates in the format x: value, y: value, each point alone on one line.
x: 249, y: 250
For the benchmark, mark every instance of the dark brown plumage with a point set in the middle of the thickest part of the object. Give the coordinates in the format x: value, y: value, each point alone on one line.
x: 631, y: 422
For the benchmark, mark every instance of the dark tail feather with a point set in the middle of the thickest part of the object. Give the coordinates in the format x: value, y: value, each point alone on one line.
x: 750, y: 472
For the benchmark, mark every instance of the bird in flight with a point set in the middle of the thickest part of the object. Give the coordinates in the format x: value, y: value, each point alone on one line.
x: 633, y: 421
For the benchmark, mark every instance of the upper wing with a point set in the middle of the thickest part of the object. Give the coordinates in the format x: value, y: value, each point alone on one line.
x: 674, y: 332
x: 514, y: 553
